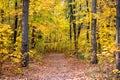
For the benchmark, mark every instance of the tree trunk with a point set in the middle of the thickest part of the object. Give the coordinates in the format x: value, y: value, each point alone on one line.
x: 25, y: 43
x: 16, y: 22
x: 70, y: 29
x: 87, y: 34
x: 33, y: 38
x: 118, y: 37
x: 2, y: 16
x: 79, y: 26
x: 94, y: 59
x: 2, y: 21
x: 88, y: 24
x: 1, y: 65
x: 98, y: 43
x: 75, y: 38
x: 79, y: 30
x: 74, y: 30
x: 71, y: 17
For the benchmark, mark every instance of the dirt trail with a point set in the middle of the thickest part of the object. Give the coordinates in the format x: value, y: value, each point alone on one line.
x: 55, y: 67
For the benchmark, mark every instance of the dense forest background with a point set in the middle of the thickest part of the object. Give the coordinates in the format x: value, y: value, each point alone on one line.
x: 87, y: 29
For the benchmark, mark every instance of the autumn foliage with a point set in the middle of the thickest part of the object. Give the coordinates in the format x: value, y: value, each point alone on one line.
x: 61, y: 26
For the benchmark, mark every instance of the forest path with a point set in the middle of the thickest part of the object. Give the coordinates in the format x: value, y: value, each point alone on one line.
x: 59, y: 67
x: 54, y: 66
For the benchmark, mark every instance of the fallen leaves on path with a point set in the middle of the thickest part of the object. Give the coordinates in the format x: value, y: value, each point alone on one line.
x: 54, y: 67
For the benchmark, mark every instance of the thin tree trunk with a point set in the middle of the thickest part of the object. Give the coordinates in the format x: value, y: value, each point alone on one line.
x: 33, y: 38
x: 70, y: 30
x: 99, y: 44
x: 16, y: 22
x: 75, y: 37
x: 79, y: 26
x: 87, y: 34
x: 118, y: 37
x: 25, y: 43
x: 0, y: 68
x: 79, y: 30
x: 71, y: 19
x: 74, y: 29
x: 2, y: 16
x: 88, y: 24
x: 94, y: 59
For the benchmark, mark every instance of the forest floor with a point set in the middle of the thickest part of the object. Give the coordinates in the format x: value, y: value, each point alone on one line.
x: 54, y: 67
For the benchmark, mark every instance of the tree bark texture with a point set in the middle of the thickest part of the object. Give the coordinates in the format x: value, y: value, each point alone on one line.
x: 25, y: 43
x: 94, y: 59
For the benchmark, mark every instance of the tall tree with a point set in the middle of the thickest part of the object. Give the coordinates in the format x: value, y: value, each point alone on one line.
x: 78, y: 31
x: 73, y: 24
x: 25, y: 43
x: 79, y: 26
x: 71, y: 17
x: 74, y: 28
x: 94, y: 59
x: 118, y: 37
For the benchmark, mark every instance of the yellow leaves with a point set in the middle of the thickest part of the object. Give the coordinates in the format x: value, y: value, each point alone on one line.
x: 113, y: 10
x: 44, y: 5
x: 4, y: 51
x: 18, y: 71
x: 4, y: 28
x: 95, y: 16
x: 72, y: 3
x: 34, y: 24
x: 106, y: 33
x: 5, y: 57
x: 4, y: 54
x: 106, y: 56
x: 115, y: 71
x: 16, y: 56
x: 32, y: 53
x: 17, y: 60
x: 45, y: 29
x: 5, y: 34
